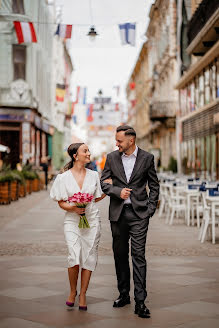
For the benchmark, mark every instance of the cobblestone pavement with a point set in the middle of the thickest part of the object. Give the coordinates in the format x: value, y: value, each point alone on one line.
x: 182, y: 279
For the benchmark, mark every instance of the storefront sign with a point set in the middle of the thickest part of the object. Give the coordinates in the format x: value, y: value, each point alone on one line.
x: 16, y: 115
x: 45, y: 127
x: 38, y: 122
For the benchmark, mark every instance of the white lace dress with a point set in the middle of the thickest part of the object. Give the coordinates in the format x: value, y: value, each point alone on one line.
x: 82, y: 243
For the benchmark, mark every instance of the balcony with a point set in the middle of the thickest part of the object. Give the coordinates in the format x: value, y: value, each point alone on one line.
x: 203, y: 28
x: 161, y: 110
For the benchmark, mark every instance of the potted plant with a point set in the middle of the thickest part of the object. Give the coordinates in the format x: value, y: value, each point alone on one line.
x: 22, y: 183
x: 35, y: 182
x: 5, y: 187
x: 15, y: 184
x: 29, y: 177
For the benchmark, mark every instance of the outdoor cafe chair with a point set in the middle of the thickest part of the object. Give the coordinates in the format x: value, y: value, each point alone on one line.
x: 176, y: 203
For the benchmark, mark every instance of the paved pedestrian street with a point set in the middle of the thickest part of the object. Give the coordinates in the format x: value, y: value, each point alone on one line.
x: 183, y: 275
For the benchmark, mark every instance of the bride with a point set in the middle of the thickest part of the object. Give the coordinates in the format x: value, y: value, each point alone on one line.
x: 82, y: 243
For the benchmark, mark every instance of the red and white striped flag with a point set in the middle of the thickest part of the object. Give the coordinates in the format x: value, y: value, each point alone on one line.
x: 25, y: 32
x: 64, y: 31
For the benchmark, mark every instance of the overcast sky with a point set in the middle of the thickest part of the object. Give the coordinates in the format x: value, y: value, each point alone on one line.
x: 105, y: 62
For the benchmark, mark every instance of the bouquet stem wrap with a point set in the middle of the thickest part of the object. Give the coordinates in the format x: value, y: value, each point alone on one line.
x: 81, y: 200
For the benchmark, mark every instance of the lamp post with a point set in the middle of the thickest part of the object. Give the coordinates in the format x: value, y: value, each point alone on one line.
x: 92, y: 33
x: 100, y: 93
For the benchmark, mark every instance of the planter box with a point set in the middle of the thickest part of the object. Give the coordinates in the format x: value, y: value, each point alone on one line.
x: 42, y: 180
x: 14, y: 190
x: 5, y: 192
x: 35, y: 185
x: 28, y: 186
x: 22, y: 190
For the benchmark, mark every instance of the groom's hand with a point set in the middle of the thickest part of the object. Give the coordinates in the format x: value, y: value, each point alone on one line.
x: 125, y: 193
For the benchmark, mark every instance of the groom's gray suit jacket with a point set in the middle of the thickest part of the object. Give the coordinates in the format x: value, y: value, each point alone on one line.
x: 143, y: 173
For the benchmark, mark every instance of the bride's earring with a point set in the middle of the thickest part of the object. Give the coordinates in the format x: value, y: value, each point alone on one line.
x: 76, y: 159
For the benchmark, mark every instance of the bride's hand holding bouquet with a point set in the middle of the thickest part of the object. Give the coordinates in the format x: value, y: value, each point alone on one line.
x: 80, y: 201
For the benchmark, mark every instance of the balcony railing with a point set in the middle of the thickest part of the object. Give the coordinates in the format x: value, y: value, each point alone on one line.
x: 163, y: 109
x: 201, y: 16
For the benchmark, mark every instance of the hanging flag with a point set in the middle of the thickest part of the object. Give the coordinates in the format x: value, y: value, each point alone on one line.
x: 60, y: 92
x: 64, y: 31
x: 116, y: 107
x: 132, y: 85
x: 133, y: 103
x: 70, y: 105
x: 84, y: 96
x: 81, y: 96
x: 117, y: 88
x: 127, y: 33
x: 74, y: 118
x: 25, y: 32
x: 77, y: 95
x: 72, y: 108
x: 90, y: 112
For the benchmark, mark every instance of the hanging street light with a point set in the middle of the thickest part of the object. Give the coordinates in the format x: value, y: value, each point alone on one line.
x: 100, y: 93
x: 92, y: 33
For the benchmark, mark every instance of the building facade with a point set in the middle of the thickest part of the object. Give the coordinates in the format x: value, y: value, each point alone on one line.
x: 198, y: 117
x: 154, y: 101
x: 138, y: 96
x: 25, y: 82
x: 28, y: 82
x: 162, y: 71
x: 62, y: 106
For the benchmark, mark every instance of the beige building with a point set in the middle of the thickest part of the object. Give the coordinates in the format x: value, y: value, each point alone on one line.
x: 153, y: 111
x: 138, y: 99
x: 162, y: 63
x: 198, y: 133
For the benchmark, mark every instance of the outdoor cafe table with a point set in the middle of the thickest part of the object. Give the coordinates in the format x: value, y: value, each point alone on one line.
x: 213, y: 202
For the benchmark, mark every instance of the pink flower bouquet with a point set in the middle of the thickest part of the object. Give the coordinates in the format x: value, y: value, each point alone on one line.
x: 81, y: 200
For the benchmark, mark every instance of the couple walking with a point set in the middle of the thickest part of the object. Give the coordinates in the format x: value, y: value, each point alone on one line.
x: 126, y: 173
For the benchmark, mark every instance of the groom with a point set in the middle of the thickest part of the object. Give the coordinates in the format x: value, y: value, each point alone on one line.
x: 130, y: 169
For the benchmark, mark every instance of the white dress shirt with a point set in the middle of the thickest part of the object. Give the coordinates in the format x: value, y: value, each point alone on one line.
x: 128, y: 162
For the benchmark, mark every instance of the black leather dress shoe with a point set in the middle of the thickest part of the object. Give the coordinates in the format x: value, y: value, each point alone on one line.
x: 142, y: 310
x: 122, y: 301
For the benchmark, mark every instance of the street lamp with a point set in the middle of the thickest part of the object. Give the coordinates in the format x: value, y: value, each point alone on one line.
x: 92, y: 33
x: 100, y: 93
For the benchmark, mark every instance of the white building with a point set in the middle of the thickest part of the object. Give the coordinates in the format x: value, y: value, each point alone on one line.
x: 28, y: 77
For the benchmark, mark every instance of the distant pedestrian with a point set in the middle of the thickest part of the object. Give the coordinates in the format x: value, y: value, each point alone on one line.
x: 102, y: 161
x: 158, y: 163
x: 92, y: 165
x: 130, y: 169
x: 44, y: 165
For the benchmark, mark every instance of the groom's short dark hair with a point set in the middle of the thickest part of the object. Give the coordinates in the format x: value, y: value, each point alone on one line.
x: 129, y: 131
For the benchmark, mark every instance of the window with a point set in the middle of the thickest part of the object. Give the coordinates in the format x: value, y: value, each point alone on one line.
x: 18, y: 6
x: 19, y: 62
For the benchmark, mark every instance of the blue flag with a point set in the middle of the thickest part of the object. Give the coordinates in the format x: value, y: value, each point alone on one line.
x: 127, y: 33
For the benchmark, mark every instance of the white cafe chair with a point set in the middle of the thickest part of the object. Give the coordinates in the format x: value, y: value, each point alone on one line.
x: 177, y: 204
